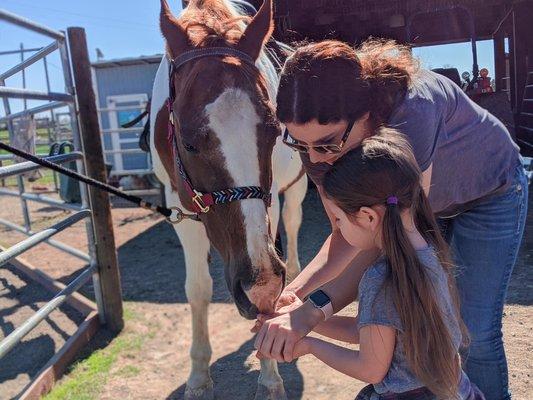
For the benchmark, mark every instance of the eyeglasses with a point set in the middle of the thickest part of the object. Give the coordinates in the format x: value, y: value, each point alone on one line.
x: 319, y: 148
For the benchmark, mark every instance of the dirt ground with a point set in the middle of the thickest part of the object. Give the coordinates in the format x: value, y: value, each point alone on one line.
x: 152, y: 271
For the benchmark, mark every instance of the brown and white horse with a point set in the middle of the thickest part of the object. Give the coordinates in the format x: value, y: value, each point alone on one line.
x: 226, y: 137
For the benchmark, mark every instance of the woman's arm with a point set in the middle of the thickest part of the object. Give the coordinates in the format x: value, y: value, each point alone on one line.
x: 339, y: 328
x: 370, y: 364
x: 333, y: 258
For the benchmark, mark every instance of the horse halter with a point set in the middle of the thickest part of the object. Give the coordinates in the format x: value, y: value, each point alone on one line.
x: 202, y: 202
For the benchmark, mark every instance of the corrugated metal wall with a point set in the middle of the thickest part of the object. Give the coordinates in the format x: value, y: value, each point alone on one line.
x: 120, y: 81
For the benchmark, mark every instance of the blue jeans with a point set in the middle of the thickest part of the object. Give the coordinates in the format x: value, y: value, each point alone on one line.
x: 484, y: 242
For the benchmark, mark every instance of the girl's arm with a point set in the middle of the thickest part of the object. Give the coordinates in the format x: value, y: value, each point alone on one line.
x: 370, y: 364
x: 339, y: 328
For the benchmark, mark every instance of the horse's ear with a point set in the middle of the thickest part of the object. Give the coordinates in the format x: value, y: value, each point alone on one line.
x: 174, y: 34
x: 258, y: 31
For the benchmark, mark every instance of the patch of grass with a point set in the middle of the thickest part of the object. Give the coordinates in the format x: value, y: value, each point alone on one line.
x: 87, y: 378
x: 128, y: 371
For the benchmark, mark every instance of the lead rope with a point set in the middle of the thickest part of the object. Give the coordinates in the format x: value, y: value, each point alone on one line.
x: 173, y: 215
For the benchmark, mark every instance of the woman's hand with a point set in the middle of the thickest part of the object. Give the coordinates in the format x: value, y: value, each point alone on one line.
x: 278, y: 336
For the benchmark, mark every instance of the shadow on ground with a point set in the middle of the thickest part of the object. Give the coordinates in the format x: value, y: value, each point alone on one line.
x: 241, y: 383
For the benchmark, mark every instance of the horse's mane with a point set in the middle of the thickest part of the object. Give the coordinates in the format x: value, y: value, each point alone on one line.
x: 219, y: 22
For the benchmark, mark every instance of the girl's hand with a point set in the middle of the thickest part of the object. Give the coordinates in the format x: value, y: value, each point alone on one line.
x: 301, y: 348
x: 278, y: 336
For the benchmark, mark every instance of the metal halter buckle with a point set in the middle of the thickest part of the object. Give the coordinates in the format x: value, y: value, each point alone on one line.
x: 176, y: 216
x: 197, y: 199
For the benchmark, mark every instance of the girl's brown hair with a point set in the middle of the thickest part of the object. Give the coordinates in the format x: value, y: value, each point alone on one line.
x: 331, y: 81
x: 381, y: 167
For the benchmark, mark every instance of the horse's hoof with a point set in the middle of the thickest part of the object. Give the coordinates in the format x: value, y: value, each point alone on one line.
x: 205, y: 392
x: 276, y: 392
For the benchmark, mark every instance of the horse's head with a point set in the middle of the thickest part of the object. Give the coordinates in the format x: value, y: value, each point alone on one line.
x: 226, y: 129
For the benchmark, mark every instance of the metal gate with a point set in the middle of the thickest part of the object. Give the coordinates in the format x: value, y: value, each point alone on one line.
x: 94, y: 208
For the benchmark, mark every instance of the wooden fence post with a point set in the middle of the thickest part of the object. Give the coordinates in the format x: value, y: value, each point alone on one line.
x: 106, y: 254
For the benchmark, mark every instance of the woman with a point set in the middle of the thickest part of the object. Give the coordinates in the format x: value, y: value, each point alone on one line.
x: 330, y: 98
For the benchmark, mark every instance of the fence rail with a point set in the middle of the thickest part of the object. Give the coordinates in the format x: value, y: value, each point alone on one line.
x: 28, y: 166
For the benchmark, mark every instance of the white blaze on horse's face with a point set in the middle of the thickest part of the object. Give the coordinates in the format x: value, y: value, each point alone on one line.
x: 233, y: 118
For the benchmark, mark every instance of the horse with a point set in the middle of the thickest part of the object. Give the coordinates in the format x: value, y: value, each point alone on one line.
x: 216, y: 147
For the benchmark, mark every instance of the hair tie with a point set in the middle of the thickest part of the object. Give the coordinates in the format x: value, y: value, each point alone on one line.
x: 392, y: 200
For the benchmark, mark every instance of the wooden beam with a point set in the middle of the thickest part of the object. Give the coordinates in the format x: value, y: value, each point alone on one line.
x: 106, y: 254
x: 56, y: 366
x: 499, y: 61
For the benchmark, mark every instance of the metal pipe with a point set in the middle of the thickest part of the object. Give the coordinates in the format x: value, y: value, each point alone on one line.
x: 35, y: 110
x: 23, y: 74
x: 123, y: 108
x: 30, y: 60
x: 54, y: 243
x: 125, y: 151
x: 18, y: 334
x: 11, y: 156
x: 123, y: 130
x: 41, y: 236
x: 39, y: 198
x: 23, y: 203
x: 16, y: 93
x: 21, y: 168
x: 5, y: 53
x: 52, y: 121
x: 32, y: 26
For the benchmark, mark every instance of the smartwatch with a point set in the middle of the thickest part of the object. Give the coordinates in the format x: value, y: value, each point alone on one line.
x: 322, y: 301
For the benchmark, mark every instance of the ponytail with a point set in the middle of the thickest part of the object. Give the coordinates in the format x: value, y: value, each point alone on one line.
x: 431, y: 357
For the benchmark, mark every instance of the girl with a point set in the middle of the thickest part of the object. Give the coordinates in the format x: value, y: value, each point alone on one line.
x: 408, y: 325
x: 331, y: 97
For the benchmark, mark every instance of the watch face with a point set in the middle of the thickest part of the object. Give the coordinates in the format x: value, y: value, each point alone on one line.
x: 319, y: 298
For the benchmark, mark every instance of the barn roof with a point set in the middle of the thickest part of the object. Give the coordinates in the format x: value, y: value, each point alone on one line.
x: 121, y: 62
x: 355, y: 20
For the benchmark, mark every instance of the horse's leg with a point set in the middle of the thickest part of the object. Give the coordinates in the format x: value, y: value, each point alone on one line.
x: 199, y: 289
x: 270, y: 384
x: 292, y: 219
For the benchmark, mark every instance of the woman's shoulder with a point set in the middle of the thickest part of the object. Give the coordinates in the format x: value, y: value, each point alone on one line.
x: 426, y: 88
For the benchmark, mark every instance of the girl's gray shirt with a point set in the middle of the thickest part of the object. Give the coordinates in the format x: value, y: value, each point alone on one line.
x: 376, y: 307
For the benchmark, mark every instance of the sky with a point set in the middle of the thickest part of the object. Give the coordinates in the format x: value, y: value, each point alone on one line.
x: 129, y: 28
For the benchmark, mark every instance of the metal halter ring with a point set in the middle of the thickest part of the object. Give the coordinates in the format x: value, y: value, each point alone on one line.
x: 178, y: 215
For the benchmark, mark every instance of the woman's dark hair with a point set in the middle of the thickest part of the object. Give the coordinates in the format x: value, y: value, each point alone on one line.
x: 385, y: 166
x: 331, y: 81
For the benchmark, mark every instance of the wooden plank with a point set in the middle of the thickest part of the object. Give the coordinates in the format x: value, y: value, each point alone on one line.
x: 56, y: 366
x: 76, y: 300
x: 499, y: 61
x: 106, y: 254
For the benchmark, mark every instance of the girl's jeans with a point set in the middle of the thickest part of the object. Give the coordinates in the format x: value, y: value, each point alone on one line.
x: 484, y: 242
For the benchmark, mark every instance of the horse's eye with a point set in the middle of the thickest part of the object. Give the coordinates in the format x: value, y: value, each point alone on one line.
x: 190, y: 148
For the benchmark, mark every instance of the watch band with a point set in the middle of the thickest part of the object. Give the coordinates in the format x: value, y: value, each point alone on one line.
x: 327, y: 310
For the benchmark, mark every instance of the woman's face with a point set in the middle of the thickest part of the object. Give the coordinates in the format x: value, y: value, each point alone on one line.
x: 313, y: 133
